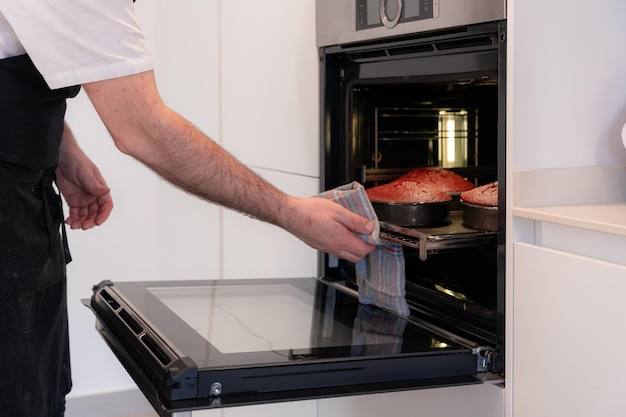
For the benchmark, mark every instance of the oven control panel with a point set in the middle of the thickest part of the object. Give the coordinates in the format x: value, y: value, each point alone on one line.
x: 374, y: 13
x: 343, y: 22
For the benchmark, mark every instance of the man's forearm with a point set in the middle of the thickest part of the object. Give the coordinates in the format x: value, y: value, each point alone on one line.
x: 68, y: 143
x: 144, y: 128
x: 192, y: 161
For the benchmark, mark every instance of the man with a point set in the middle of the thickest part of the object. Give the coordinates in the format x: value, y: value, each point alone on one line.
x: 47, y: 48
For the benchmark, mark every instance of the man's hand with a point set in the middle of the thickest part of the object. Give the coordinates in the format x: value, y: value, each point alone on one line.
x: 83, y: 187
x: 329, y: 227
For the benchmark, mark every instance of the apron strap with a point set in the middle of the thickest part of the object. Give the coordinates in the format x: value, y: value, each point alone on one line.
x: 54, y: 210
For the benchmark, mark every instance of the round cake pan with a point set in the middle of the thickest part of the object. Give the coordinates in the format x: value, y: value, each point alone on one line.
x: 480, y: 217
x: 413, y: 214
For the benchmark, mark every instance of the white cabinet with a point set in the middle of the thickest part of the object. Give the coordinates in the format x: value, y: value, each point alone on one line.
x: 484, y: 400
x: 565, y: 80
x: 568, y: 356
x: 269, y: 120
x: 288, y: 409
x: 566, y: 293
x: 185, y: 43
x: 269, y: 79
x: 565, y: 108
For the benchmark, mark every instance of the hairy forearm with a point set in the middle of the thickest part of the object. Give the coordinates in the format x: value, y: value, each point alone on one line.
x: 190, y: 160
x: 144, y: 128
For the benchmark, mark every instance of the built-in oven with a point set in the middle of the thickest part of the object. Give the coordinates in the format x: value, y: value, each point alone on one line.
x: 396, y: 101
x: 403, y: 82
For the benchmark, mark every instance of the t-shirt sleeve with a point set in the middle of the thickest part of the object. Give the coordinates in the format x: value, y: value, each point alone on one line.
x: 74, y: 42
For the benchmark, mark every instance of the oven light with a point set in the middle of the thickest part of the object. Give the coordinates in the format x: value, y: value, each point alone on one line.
x: 453, y: 135
x: 438, y: 344
x: 450, y: 142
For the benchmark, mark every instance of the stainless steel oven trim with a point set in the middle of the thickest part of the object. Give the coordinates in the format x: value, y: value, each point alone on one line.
x: 335, y: 20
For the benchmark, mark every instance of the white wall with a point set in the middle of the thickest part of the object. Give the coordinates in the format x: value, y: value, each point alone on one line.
x: 159, y: 233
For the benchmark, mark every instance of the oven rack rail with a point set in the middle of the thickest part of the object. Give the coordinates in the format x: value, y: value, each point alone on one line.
x: 452, y: 236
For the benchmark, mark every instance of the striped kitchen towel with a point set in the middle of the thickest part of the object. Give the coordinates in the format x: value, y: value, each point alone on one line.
x: 380, y: 275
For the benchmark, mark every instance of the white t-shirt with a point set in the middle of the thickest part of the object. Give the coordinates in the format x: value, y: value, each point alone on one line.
x: 73, y: 42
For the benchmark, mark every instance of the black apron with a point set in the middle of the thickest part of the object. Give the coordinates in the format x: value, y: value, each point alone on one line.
x: 34, y: 346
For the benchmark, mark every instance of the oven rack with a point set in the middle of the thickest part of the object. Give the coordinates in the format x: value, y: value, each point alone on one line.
x: 453, y: 235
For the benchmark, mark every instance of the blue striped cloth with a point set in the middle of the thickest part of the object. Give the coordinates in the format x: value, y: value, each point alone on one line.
x: 380, y: 275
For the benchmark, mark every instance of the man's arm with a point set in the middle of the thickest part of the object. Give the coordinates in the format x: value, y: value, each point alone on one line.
x: 144, y: 128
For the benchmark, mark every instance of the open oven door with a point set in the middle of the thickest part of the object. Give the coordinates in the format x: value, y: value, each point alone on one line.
x: 202, y: 344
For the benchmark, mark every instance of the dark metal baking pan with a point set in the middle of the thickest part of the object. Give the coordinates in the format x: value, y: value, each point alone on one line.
x: 413, y: 214
x: 480, y: 217
x: 455, y: 203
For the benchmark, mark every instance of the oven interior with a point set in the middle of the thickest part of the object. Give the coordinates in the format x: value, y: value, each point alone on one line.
x: 397, y: 125
x: 428, y: 100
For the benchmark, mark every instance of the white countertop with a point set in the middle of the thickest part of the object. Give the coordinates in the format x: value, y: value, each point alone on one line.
x: 592, y: 198
x: 606, y: 218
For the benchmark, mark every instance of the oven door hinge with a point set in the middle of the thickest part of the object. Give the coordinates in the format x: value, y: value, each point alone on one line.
x: 486, y: 358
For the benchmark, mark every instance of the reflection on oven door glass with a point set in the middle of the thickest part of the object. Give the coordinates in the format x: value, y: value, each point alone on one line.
x: 244, y: 318
x: 255, y: 318
x: 376, y: 333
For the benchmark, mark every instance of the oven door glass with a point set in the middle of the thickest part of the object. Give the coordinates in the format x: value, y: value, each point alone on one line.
x: 201, y: 344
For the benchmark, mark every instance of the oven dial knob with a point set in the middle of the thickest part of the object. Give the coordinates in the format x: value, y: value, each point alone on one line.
x: 390, y: 12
